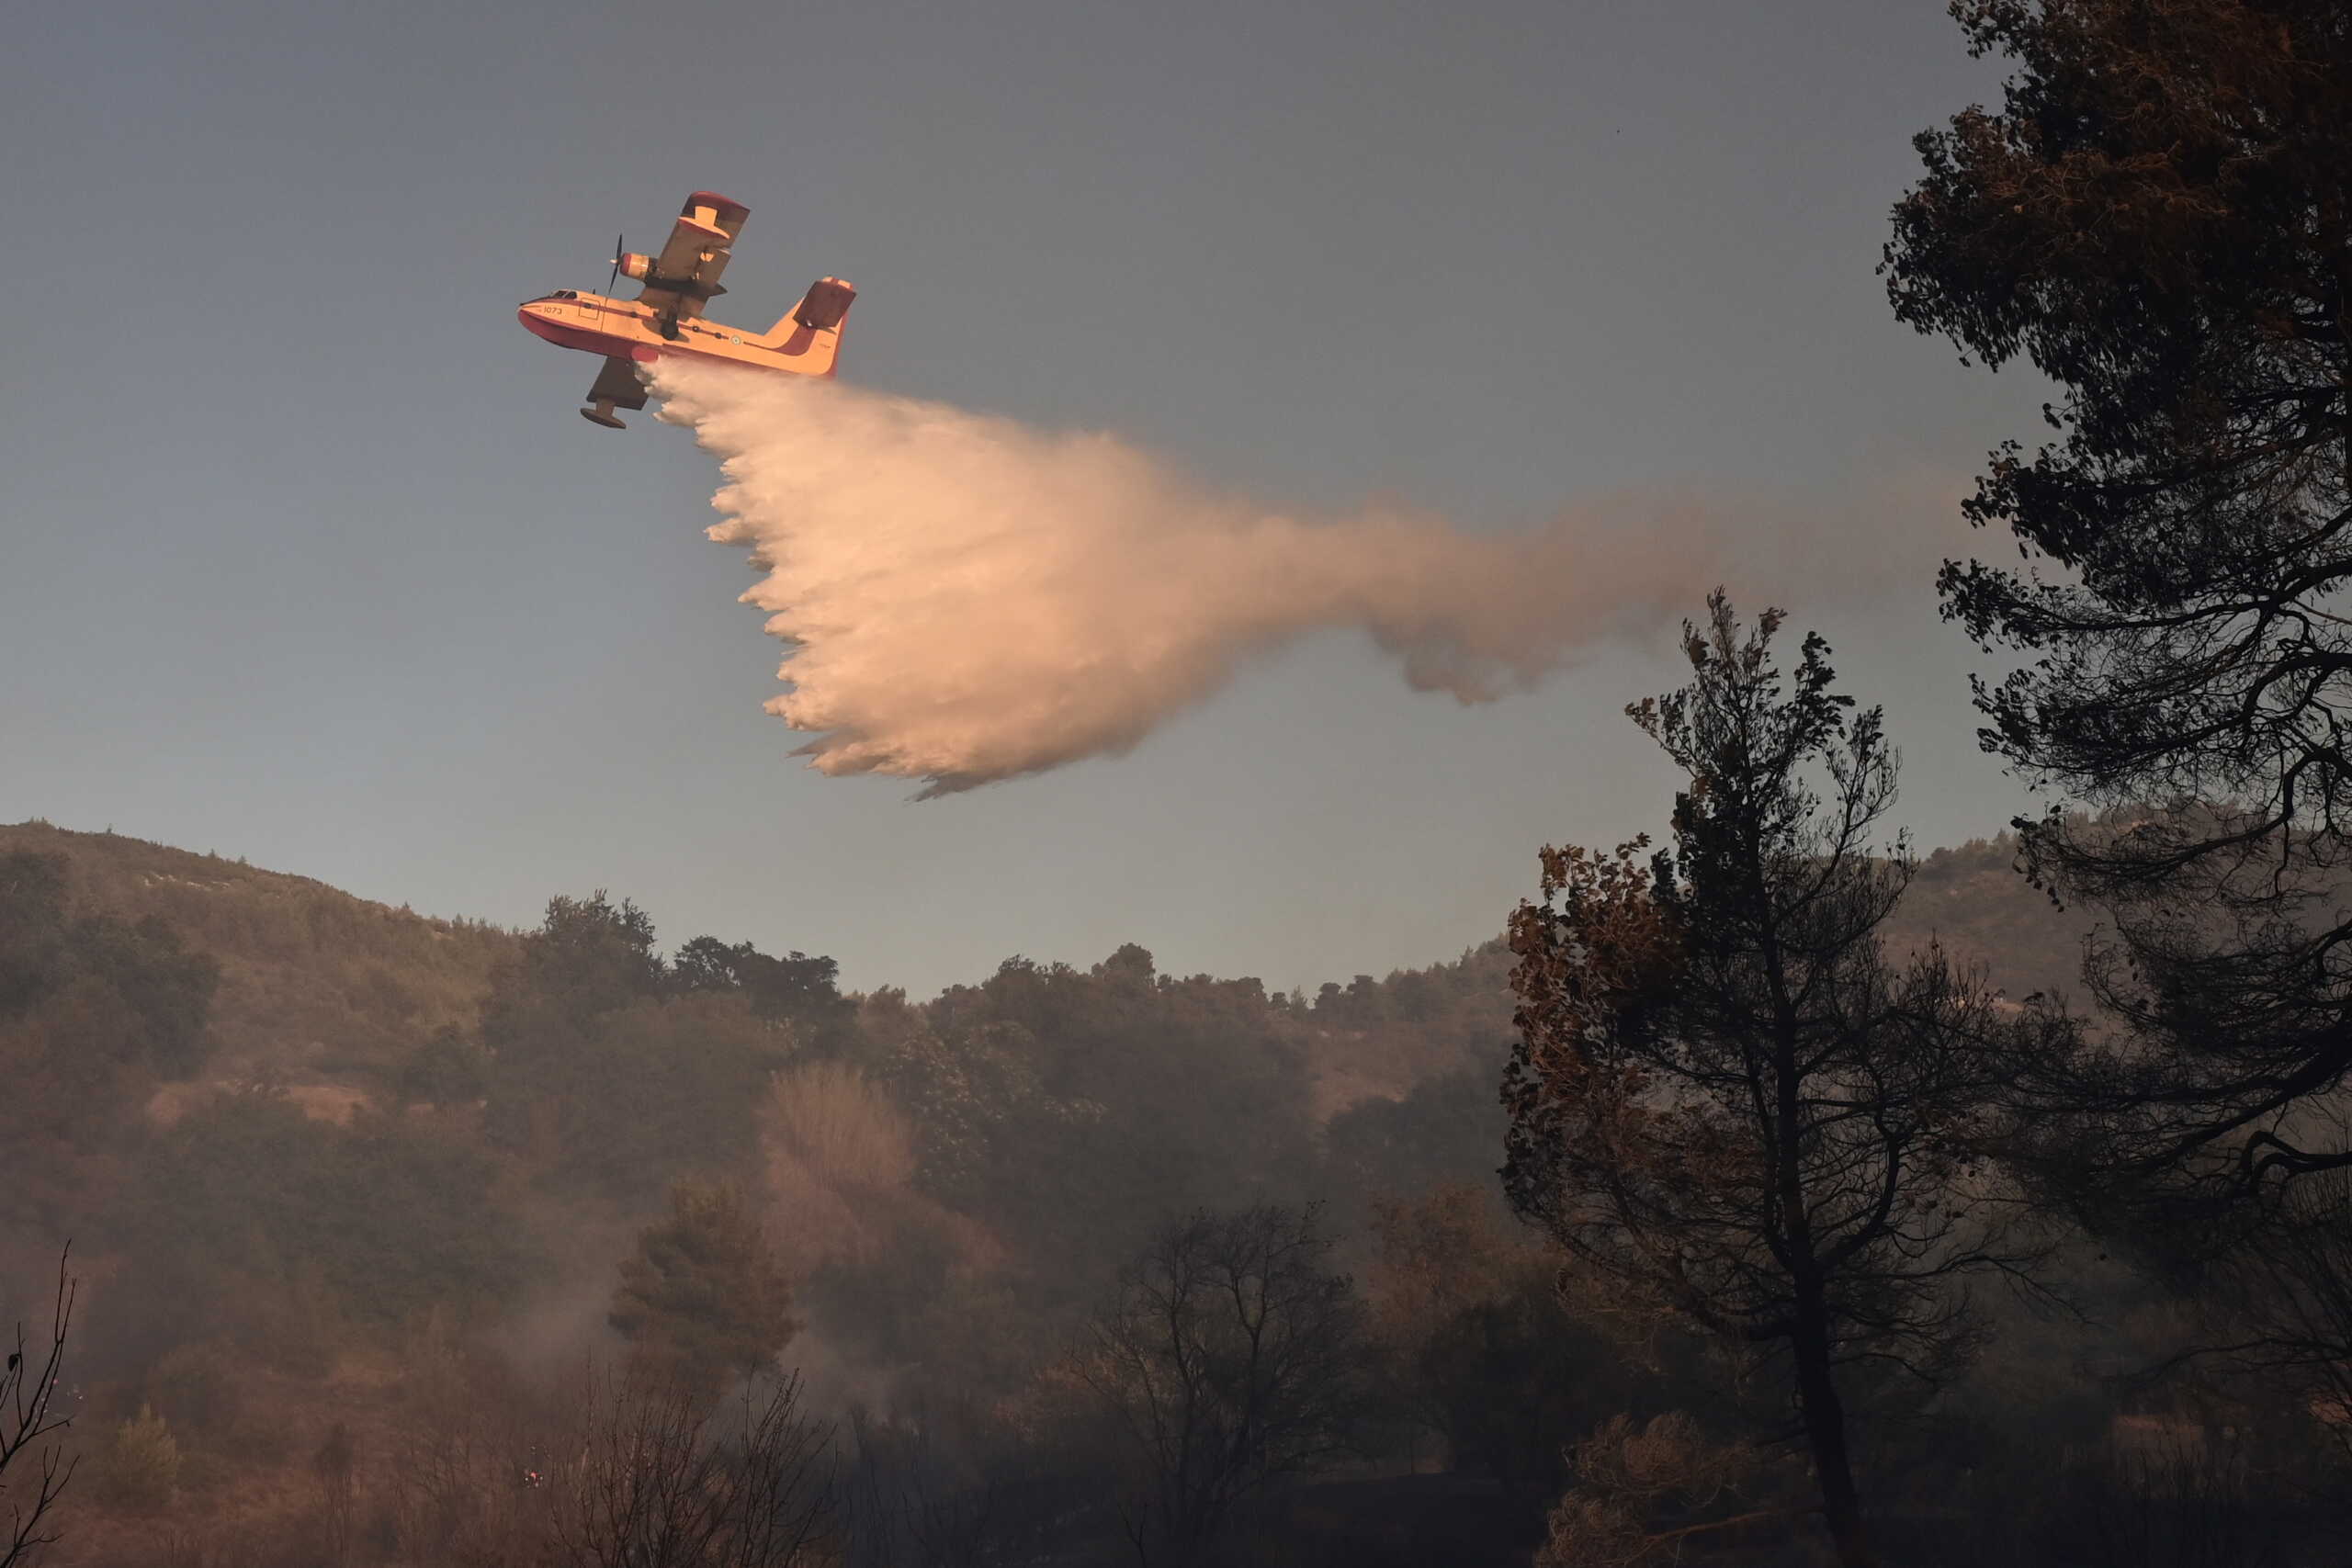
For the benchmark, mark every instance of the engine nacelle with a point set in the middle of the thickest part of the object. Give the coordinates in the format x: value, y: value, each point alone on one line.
x: 635, y: 265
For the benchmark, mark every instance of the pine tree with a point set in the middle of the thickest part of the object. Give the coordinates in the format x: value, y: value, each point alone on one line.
x: 2159, y: 220
x: 705, y: 1298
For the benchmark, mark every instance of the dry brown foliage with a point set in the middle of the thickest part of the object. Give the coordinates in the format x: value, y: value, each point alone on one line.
x: 832, y: 1142
x: 1654, y: 1492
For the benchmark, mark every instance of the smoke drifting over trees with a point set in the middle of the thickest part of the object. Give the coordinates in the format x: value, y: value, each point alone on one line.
x: 961, y: 1218
x: 968, y: 600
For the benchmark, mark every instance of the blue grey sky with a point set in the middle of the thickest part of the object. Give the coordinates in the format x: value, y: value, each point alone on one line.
x: 305, y: 558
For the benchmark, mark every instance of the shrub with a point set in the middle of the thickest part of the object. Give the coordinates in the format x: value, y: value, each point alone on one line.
x: 142, y: 1467
x: 836, y: 1149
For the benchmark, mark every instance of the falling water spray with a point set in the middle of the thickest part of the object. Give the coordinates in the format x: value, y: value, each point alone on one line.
x: 966, y: 599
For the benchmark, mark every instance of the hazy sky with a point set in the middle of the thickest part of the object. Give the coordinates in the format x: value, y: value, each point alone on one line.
x: 305, y: 558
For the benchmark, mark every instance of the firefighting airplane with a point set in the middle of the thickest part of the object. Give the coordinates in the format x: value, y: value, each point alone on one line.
x: 666, y: 318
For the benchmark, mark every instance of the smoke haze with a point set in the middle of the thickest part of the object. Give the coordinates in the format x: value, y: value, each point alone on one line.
x: 967, y: 599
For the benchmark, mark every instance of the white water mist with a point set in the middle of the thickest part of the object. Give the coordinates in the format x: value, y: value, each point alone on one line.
x: 967, y: 599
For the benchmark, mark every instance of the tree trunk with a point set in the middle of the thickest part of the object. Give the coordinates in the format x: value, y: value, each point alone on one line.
x: 1809, y: 1344
x: 1825, y: 1431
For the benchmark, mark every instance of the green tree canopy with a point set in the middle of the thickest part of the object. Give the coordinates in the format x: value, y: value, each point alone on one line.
x: 45, y: 949
x: 608, y: 1068
x: 706, y: 1297
x: 1139, y: 1091
x: 589, y: 956
x: 795, y: 988
x: 246, y: 1196
x: 93, y: 1012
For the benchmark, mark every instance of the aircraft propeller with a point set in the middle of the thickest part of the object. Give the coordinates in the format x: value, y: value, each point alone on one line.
x: 620, y: 254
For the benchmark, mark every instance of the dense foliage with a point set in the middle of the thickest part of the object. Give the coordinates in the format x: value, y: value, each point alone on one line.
x: 2159, y: 219
x: 93, y: 1013
x: 1726, y: 1097
x: 931, y: 1202
x: 705, y: 1295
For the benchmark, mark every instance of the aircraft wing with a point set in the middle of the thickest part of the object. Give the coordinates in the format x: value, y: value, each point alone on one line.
x: 686, y: 272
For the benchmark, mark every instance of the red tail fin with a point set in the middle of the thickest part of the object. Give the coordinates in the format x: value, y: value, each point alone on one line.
x: 812, y: 333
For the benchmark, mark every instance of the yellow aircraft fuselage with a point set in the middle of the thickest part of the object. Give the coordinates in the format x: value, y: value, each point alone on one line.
x: 624, y: 328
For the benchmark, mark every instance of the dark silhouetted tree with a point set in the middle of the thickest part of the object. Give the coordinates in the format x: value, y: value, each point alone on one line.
x: 1477, y: 1345
x: 34, y: 1465
x: 794, y: 989
x: 2276, y: 1302
x: 656, y: 1477
x: 1232, y: 1357
x: 2159, y: 219
x: 593, y: 955
x: 336, y: 1466
x: 1726, y: 1096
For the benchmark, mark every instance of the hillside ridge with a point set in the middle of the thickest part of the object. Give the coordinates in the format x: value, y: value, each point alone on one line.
x: 315, y: 982
x: 322, y: 987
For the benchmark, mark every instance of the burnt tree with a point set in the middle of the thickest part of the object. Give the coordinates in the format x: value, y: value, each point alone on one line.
x: 1726, y: 1097
x: 2158, y: 219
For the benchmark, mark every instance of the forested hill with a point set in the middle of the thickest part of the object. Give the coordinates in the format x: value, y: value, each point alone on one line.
x: 318, y: 987
x: 295, y: 1135
x: 313, y: 982
x: 1972, y: 901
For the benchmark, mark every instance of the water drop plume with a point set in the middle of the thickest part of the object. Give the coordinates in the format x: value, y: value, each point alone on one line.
x: 967, y: 599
